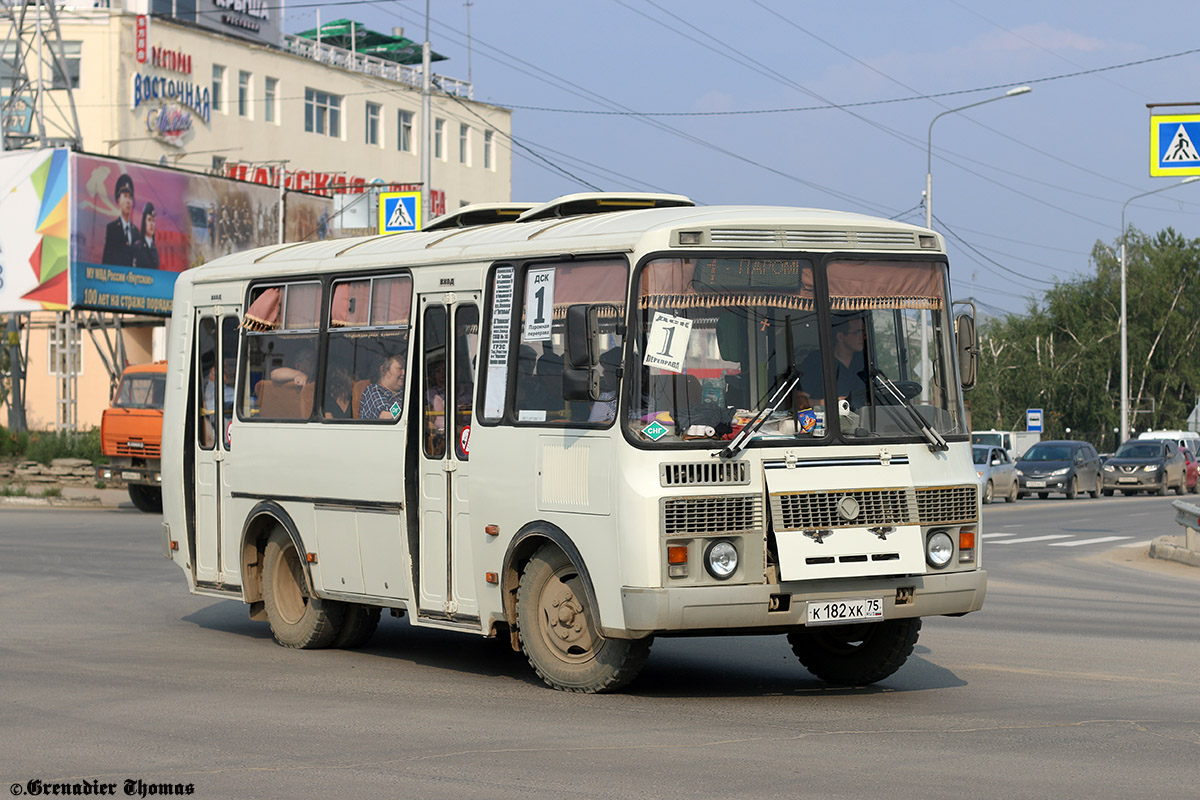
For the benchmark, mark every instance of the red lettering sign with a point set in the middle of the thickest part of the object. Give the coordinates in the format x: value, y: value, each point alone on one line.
x: 141, y: 38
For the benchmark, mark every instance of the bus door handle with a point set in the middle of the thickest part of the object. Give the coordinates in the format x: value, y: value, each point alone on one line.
x: 449, y: 465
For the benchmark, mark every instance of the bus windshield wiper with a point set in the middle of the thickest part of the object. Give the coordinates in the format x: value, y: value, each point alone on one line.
x: 893, y: 393
x: 789, y: 381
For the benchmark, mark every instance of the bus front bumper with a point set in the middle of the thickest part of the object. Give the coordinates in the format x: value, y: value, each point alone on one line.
x: 743, y: 608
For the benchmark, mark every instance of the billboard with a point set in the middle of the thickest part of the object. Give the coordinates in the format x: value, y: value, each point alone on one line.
x: 34, y: 205
x: 135, y: 227
x: 97, y: 233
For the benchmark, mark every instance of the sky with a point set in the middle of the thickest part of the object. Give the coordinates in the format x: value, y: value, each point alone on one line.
x: 829, y: 105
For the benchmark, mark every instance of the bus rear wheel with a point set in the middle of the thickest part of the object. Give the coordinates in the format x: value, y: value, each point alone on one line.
x: 559, y: 633
x: 856, y: 655
x: 146, y: 498
x: 297, y: 618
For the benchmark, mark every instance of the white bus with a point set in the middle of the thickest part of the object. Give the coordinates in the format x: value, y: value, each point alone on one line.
x: 597, y: 424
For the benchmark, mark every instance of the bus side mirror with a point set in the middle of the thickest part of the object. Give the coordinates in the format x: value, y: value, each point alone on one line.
x: 968, y: 349
x: 581, y: 373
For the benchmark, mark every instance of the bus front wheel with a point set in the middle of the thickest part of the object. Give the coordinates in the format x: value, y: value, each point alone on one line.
x: 559, y: 633
x: 297, y: 618
x: 857, y: 654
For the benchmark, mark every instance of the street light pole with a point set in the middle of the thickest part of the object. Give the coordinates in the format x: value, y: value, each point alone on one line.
x: 1125, y: 312
x: 929, y: 209
x: 929, y: 146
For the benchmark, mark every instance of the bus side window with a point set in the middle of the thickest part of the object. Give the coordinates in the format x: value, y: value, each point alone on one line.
x: 367, y: 349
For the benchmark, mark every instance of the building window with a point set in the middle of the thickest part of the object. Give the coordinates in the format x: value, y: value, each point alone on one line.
x: 65, y: 353
x: 243, y: 93
x: 270, y: 96
x: 487, y: 150
x: 218, y: 89
x: 71, y: 56
x: 464, y: 144
x: 373, y: 110
x: 322, y: 113
x: 404, y: 135
x: 439, y: 135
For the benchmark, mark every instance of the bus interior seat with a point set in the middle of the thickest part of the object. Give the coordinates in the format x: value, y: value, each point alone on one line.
x: 284, y: 400
x: 676, y: 393
x: 356, y: 394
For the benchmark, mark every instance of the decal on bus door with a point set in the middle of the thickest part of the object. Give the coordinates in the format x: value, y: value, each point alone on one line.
x: 666, y: 346
x: 539, y: 305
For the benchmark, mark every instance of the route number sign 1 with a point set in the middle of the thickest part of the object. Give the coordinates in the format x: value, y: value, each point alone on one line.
x: 666, y: 346
x: 539, y: 305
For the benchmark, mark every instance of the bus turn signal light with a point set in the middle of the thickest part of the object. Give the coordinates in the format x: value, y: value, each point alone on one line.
x: 492, y: 530
x: 310, y: 558
x: 677, y: 560
x: 492, y: 577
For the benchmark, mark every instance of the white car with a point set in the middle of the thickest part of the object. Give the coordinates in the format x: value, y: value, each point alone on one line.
x: 997, y: 475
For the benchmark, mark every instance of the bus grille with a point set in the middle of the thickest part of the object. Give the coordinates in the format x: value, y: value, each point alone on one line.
x: 819, y: 510
x: 690, y: 516
x: 742, y: 236
x: 795, y: 511
x: 945, y: 504
x: 705, y: 473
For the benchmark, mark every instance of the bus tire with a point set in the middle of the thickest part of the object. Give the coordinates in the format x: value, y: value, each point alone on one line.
x: 559, y: 633
x: 297, y: 619
x: 858, y: 654
x: 146, y: 498
x: 358, y: 626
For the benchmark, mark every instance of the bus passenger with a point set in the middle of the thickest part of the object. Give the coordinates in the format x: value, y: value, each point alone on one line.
x: 301, y: 372
x: 384, y: 399
x: 338, y: 404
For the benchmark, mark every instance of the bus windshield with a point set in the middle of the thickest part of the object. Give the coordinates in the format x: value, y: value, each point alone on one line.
x: 723, y: 342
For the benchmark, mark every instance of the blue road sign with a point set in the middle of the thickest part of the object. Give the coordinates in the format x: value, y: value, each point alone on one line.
x: 1175, y: 145
x: 399, y: 212
x: 1033, y: 419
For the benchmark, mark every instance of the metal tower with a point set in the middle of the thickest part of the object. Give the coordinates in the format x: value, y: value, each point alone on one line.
x: 37, y: 105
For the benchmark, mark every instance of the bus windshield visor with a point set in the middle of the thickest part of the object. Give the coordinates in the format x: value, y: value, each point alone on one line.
x: 719, y: 338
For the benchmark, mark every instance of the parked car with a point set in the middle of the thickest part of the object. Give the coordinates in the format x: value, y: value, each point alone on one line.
x: 1192, y: 470
x: 1065, y: 465
x: 1146, y: 465
x: 997, y: 475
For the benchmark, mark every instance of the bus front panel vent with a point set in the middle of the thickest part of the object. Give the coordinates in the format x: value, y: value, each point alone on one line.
x: 712, y: 514
x: 704, y: 474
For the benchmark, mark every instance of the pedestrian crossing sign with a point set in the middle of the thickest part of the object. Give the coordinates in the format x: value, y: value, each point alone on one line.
x: 1175, y: 145
x: 399, y: 212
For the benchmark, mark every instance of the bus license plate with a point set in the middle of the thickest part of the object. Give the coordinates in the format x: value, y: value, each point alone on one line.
x: 1036, y: 484
x: 835, y: 612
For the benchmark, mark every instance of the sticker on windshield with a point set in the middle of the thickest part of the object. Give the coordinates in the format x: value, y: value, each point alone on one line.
x: 666, y: 346
x: 655, y: 431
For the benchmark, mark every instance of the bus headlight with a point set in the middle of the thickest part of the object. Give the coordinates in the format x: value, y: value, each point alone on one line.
x: 721, y: 559
x: 939, y: 549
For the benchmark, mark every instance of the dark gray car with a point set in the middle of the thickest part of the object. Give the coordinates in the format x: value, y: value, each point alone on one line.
x: 1146, y: 465
x: 1066, y: 466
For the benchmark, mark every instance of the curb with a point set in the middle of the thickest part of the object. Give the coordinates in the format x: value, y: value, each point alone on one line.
x: 56, y: 502
x: 1163, y: 547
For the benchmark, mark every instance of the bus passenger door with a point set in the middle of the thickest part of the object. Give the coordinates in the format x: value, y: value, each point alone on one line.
x: 443, y: 377
x: 214, y: 364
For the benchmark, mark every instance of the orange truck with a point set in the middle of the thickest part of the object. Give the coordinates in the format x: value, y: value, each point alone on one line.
x: 131, y: 434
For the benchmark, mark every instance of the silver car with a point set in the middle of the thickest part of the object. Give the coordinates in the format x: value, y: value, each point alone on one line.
x: 997, y: 475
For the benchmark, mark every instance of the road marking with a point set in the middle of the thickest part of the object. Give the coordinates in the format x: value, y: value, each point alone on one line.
x: 996, y: 535
x: 1038, y: 538
x: 1137, y: 544
x: 1091, y: 541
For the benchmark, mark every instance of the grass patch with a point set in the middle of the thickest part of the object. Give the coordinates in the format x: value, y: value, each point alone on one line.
x: 52, y: 491
x: 45, y: 446
x: 12, y: 490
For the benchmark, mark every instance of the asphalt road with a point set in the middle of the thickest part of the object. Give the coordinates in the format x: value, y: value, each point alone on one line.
x: 1078, y: 679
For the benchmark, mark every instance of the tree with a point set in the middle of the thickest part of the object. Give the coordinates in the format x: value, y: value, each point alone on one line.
x: 1063, y: 354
